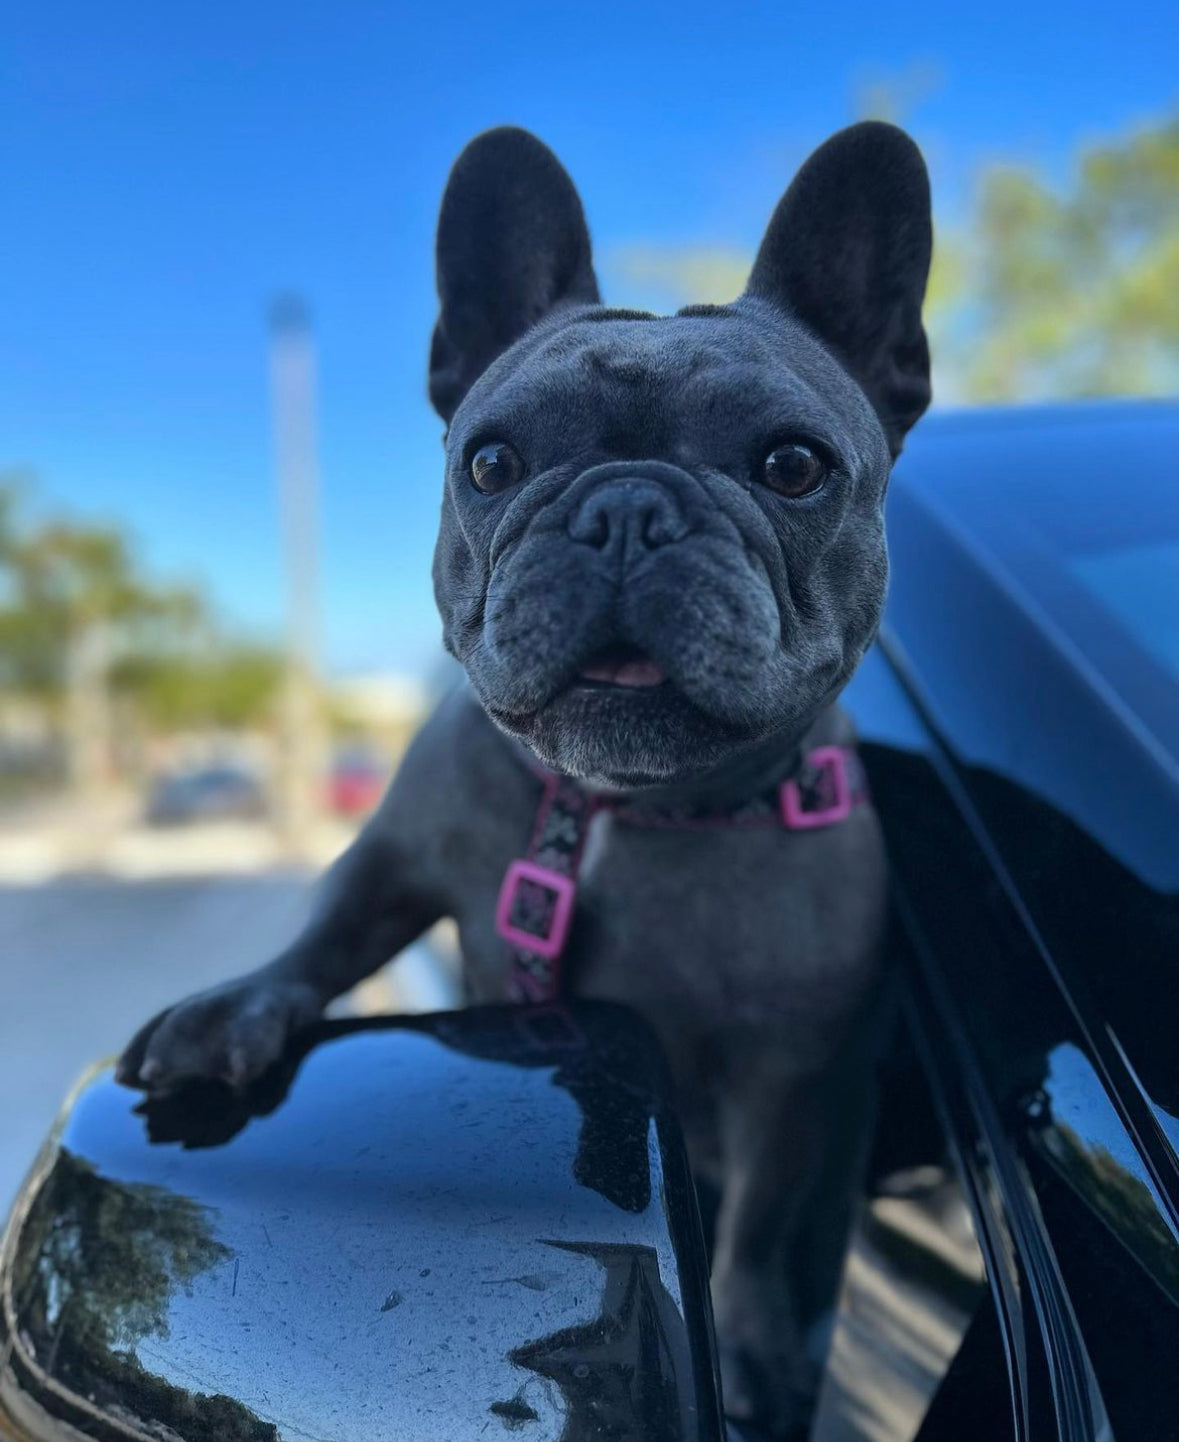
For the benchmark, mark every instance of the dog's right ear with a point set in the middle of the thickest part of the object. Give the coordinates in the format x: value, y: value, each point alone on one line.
x: 848, y: 251
x: 512, y: 245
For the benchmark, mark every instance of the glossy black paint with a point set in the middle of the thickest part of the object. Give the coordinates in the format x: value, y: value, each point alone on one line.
x: 1030, y: 795
x: 468, y: 1225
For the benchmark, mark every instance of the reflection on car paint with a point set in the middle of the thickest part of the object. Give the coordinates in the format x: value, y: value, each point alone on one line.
x: 482, y: 1219
x: 1082, y: 1135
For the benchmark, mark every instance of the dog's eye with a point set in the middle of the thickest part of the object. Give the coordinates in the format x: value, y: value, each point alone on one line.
x: 794, y: 470
x: 495, y: 467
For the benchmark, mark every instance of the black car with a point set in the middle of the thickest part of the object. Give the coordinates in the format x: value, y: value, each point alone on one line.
x: 481, y: 1223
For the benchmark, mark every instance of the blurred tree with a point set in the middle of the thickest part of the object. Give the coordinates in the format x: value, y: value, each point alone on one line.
x: 82, y: 629
x: 1040, y: 293
x: 59, y: 580
x: 229, y: 685
x: 1071, y: 292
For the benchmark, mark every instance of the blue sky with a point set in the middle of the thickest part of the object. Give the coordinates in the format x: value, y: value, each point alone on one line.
x: 166, y: 169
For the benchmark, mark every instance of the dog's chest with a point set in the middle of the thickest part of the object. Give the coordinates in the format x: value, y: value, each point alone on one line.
x: 699, y: 928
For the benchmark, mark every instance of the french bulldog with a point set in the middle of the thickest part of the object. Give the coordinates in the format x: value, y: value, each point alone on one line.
x: 661, y: 557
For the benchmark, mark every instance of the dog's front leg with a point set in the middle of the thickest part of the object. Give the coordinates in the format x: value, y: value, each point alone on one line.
x: 370, y: 904
x: 793, y: 1151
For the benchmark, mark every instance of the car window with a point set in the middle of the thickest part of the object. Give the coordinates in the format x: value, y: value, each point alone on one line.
x: 1078, y: 507
x: 1139, y: 586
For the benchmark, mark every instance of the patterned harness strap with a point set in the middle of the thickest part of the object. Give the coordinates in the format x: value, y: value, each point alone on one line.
x: 539, y: 891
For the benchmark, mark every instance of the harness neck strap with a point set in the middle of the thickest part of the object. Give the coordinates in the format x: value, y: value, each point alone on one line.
x: 536, y: 901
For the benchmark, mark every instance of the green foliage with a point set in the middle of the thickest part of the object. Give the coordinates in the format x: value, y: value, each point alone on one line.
x: 1040, y: 293
x: 66, y: 586
x: 1071, y: 292
x: 227, y: 686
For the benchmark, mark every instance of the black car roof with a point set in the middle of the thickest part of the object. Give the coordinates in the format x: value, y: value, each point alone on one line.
x: 1035, y: 595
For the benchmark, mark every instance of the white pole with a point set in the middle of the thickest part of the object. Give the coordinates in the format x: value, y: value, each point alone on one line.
x: 295, y: 447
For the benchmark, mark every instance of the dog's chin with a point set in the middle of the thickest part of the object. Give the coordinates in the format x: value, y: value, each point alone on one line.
x: 624, y: 736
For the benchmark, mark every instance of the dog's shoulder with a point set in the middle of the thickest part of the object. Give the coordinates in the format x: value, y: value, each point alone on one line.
x: 460, y: 795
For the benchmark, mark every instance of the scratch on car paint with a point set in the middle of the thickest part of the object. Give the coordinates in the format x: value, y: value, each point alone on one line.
x: 535, y: 1281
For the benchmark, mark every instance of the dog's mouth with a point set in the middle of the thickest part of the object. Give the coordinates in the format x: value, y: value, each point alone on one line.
x: 621, y: 666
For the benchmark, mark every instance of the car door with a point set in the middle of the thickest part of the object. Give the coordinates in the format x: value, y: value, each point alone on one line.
x: 1029, y: 798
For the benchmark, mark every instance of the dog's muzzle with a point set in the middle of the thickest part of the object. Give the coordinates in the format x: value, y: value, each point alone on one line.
x: 627, y: 517
x: 626, y: 510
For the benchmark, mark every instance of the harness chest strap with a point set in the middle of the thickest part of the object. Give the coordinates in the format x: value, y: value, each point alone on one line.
x: 536, y: 900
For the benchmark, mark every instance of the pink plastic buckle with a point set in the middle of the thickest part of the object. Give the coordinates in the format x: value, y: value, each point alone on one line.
x: 831, y: 761
x: 563, y: 888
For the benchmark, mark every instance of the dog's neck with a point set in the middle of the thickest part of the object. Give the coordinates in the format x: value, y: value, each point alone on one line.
x: 747, y: 773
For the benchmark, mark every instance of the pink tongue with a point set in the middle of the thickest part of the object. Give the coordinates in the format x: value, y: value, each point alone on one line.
x: 642, y: 672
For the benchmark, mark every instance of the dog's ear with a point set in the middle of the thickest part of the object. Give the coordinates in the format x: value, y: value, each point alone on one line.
x: 847, y: 252
x: 512, y: 245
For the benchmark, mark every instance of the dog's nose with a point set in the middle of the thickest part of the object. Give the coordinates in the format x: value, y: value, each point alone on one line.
x: 631, y: 514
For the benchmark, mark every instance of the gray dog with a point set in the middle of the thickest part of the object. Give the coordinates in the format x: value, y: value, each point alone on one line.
x: 661, y: 557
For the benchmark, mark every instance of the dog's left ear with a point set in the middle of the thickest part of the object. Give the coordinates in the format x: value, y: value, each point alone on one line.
x: 512, y: 245
x: 848, y: 252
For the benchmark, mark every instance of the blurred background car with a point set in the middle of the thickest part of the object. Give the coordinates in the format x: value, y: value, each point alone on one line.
x: 209, y: 793
x: 356, y: 783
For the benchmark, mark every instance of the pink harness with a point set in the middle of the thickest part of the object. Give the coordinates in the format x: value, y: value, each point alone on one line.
x: 539, y: 891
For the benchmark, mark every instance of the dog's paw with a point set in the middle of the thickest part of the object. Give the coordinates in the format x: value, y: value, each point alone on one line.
x: 232, y: 1033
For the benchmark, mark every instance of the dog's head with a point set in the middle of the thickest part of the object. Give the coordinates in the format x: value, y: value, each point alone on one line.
x: 662, y: 537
